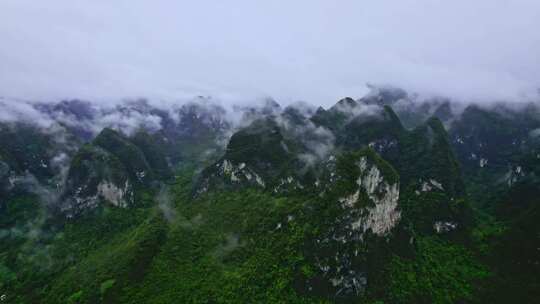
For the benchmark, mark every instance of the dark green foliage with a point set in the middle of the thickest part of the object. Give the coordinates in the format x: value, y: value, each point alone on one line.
x: 421, y: 154
x: 26, y: 148
x: 496, y: 134
x: 362, y: 130
x: 76, y: 255
x: 263, y: 246
x: 424, y: 154
x: 348, y: 170
x: 422, y: 210
x: 501, y: 136
x: 262, y: 148
x: 226, y: 249
x: 130, y: 155
x: 261, y: 145
x: 154, y: 151
x: 441, y: 272
x: 93, y: 164
x: 514, y: 253
x: 5, y: 185
x: 112, y: 159
x: 125, y: 260
x: 516, y: 259
x: 20, y: 221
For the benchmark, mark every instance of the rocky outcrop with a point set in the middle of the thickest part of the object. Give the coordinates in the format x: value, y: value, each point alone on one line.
x: 383, y: 216
x: 228, y: 172
x: 118, y: 196
x: 444, y: 226
x: 513, y: 175
x: 257, y: 156
x: 368, y: 209
x: 128, y: 153
x: 96, y: 175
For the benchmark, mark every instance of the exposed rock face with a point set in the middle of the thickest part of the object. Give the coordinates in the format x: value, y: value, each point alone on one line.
x: 369, y: 210
x: 240, y: 172
x: 96, y: 175
x: 483, y: 162
x: 257, y: 155
x: 382, y: 217
x: 513, y: 175
x: 382, y: 145
x: 110, y: 169
x: 229, y: 173
x: 118, y: 196
x: 285, y: 184
x: 83, y: 198
x: 430, y: 186
x: 443, y: 226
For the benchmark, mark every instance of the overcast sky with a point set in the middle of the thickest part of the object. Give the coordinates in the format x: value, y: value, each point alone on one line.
x: 317, y: 51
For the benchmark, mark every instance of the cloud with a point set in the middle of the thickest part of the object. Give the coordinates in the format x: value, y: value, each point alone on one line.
x: 317, y: 51
x: 317, y: 141
x: 13, y: 111
x: 128, y: 121
x: 29, y: 183
x: 535, y: 133
x: 165, y: 204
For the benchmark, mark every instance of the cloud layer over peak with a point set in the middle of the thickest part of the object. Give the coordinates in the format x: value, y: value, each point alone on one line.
x: 316, y: 51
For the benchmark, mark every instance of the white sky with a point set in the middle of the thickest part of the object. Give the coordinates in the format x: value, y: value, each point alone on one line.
x: 317, y: 51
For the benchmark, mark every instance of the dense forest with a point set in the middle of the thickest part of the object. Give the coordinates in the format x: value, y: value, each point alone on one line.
x: 369, y: 201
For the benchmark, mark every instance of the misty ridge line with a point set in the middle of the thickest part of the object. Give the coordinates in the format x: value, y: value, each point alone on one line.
x: 71, y: 123
x: 130, y: 115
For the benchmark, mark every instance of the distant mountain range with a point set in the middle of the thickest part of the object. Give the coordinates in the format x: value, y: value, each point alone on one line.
x: 384, y: 199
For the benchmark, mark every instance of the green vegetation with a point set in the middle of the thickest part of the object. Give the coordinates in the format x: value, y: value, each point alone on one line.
x: 130, y: 155
x: 255, y: 245
x: 225, y: 248
x: 441, y: 272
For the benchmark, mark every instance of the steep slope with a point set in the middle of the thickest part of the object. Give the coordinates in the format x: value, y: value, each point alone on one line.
x: 34, y: 161
x: 96, y: 174
x: 280, y: 152
x: 131, y: 155
x: 27, y: 148
x: 343, y: 205
x: 256, y: 156
x: 111, y: 168
x: 103, y: 274
x: 361, y: 211
x: 426, y: 154
x: 365, y: 216
x: 194, y: 131
x: 153, y: 148
x: 489, y: 144
x: 513, y: 252
x: 419, y: 155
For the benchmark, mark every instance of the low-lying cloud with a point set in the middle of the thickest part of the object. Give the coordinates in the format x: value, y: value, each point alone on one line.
x: 317, y: 51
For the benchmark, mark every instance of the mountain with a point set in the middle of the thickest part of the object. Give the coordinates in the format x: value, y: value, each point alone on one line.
x: 489, y: 144
x: 109, y: 168
x: 389, y: 198
x: 361, y: 195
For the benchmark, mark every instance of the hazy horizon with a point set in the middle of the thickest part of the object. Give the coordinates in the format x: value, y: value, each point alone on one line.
x: 314, y: 51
